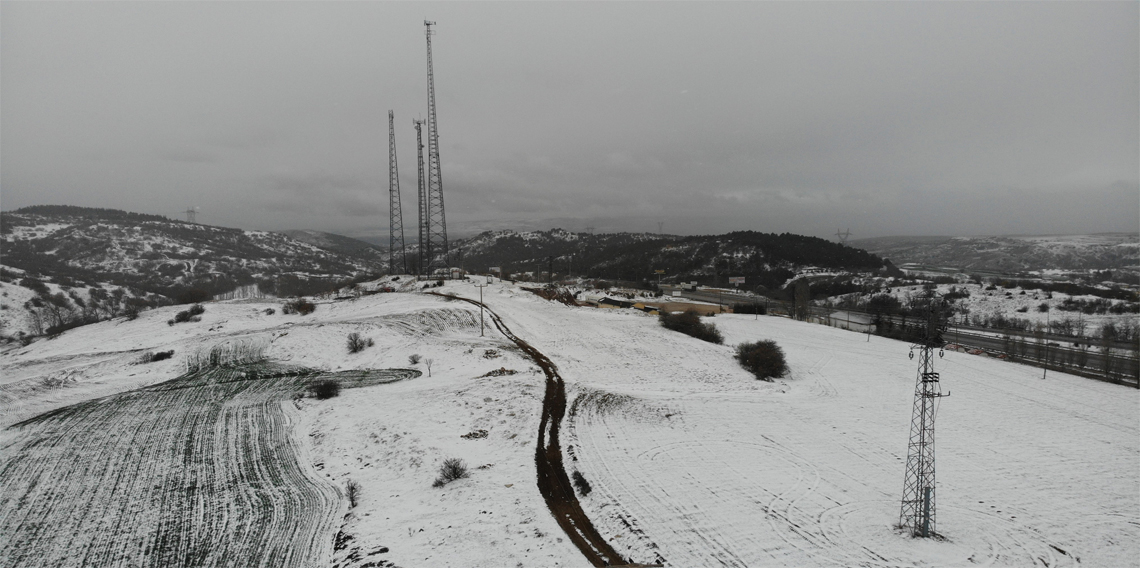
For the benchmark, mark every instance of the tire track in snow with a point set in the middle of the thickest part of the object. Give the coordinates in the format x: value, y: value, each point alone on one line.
x: 553, y: 482
x: 196, y: 471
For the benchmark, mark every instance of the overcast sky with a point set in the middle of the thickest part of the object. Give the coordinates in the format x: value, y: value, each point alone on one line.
x: 888, y: 118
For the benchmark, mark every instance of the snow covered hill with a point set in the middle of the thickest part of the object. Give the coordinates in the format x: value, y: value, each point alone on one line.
x: 1009, y: 254
x: 691, y: 461
x: 161, y: 255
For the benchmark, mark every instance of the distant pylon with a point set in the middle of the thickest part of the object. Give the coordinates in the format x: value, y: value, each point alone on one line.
x: 843, y: 236
x: 437, y: 220
x: 395, y: 212
x: 424, y: 249
x: 191, y: 214
x: 918, y: 514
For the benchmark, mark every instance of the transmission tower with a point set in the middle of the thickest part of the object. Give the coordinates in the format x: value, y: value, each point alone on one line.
x: 395, y: 212
x: 425, y: 243
x: 191, y: 214
x: 917, y: 513
x: 437, y: 221
x: 843, y: 236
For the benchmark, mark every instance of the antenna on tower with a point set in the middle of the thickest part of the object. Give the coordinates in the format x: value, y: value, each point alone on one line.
x: 395, y: 212
x: 843, y: 236
x: 917, y: 513
x: 191, y: 214
x: 425, y: 243
x: 436, y: 219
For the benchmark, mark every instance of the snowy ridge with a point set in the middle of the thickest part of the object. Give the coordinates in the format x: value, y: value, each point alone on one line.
x: 1111, y: 251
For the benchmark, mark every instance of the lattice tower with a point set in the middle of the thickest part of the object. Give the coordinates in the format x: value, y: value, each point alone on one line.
x: 843, y: 236
x: 917, y: 514
x: 425, y: 243
x: 395, y: 212
x: 437, y: 220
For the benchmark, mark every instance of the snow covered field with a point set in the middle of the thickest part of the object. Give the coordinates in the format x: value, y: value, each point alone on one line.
x: 691, y: 461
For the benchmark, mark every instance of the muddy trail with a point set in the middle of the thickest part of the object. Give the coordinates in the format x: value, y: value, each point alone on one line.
x: 553, y: 482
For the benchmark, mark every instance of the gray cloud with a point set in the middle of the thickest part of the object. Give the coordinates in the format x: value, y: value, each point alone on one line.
x: 890, y: 118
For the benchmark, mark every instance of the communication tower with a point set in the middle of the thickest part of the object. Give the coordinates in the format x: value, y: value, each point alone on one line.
x: 437, y: 221
x: 395, y: 213
x: 917, y: 514
x: 425, y: 243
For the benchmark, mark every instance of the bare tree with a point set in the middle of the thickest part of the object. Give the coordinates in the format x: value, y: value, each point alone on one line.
x: 428, y: 362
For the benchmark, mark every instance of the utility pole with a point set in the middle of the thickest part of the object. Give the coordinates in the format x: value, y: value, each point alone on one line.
x: 917, y: 513
x: 480, y: 287
x: 395, y: 212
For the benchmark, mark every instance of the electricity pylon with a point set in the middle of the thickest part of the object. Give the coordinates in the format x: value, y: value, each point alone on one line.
x: 425, y: 243
x: 437, y: 220
x: 843, y: 236
x: 395, y: 213
x: 918, y: 514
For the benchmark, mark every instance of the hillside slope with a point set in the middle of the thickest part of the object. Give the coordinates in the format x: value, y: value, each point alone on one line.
x: 1108, y: 251
x: 162, y: 255
x: 763, y: 258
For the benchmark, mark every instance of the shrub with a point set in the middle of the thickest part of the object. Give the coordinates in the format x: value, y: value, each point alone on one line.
x: 270, y: 311
x: 131, y: 313
x: 414, y: 359
x: 689, y: 323
x: 188, y: 315
x: 325, y: 389
x: 150, y: 357
x: 581, y: 483
x: 764, y: 359
x: 452, y: 469
x: 352, y: 489
x: 298, y: 306
x: 742, y: 308
x: 356, y: 343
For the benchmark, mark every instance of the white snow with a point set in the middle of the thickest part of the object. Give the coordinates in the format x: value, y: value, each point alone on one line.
x: 691, y: 460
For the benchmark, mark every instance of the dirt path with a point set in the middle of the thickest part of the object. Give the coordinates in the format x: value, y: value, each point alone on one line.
x: 553, y: 482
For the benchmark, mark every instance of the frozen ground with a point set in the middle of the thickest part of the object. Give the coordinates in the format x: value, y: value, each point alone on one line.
x: 691, y: 461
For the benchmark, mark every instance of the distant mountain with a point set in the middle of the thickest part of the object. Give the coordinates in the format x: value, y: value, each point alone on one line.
x: 1011, y: 254
x: 763, y: 259
x: 347, y: 246
x: 165, y: 256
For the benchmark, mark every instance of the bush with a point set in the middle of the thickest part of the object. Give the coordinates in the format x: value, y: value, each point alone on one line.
x: 356, y: 343
x: 764, y: 359
x: 270, y: 311
x: 452, y: 469
x: 689, y: 323
x: 325, y: 389
x: 414, y: 359
x: 581, y: 483
x: 749, y: 309
x: 150, y: 357
x: 188, y: 315
x: 298, y: 306
x: 352, y: 489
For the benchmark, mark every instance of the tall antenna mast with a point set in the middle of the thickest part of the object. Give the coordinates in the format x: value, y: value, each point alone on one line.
x: 917, y: 513
x: 425, y: 243
x: 437, y: 221
x: 395, y: 212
